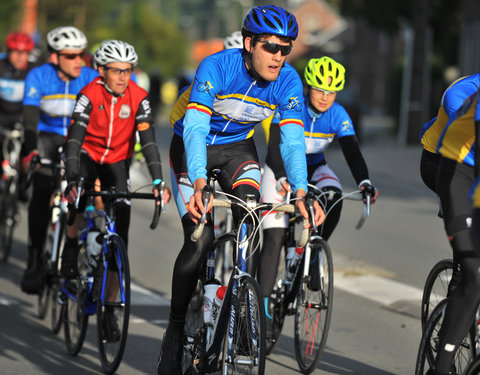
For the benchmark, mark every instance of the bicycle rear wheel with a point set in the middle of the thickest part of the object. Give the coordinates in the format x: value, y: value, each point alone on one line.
x: 75, y: 322
x: 428, y: 348
x: 247, y: 352
x: 194, y: 334
x: 436, y: 287
x: 473, y: 368
x: 8, y: 219
x: 314, y: 308
x: 114, y: 306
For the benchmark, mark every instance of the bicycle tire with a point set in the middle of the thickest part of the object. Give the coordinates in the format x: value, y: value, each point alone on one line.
x: 57, y: 300
x: 248, y: 349
x: 314, y: 308
x: 43, y: 301
x: 111, y: 349
x: 436, y: 287
x: 429, y: 343
x: 8, y: 219
x: 57, y: 308
x: 473, y: 368
x: 278, y: 308
x: 194, y: 334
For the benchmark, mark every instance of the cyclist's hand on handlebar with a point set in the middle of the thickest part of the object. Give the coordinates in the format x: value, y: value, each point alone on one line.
x: 367, y: 187
x: 283, y: 186
x: 302, y: 207
x: 71, y: 192
x: 195, y: 205
x: 27, y: 160
x: 166, y: 193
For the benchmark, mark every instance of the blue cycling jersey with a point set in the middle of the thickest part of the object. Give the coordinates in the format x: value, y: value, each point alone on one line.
x: 321, y: 129
x: 224, y: 103
x: 449, y: 134
x: 56, y: 98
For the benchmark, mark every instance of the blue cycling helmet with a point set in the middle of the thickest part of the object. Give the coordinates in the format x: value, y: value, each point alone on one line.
x: 271, y: 19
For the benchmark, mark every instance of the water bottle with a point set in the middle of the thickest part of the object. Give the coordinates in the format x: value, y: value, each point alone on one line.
x: 217, y: 304
x: 210, y: 291
x: 94, y: 245
x: 293, y: 256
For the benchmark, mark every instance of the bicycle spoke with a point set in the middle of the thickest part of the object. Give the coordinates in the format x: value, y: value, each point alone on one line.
x: 113, y: 314
x: 314, y: 309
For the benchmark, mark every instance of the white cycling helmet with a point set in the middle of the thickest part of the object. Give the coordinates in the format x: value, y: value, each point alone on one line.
x: 115, y: 51
x: 66, y: 37
x: 233, y: 41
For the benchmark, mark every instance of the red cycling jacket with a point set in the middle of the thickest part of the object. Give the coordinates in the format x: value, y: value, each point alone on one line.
x: 112, y: 120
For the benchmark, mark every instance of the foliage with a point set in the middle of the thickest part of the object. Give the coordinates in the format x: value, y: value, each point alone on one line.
x: 158, y: 42
x: 11, y: 17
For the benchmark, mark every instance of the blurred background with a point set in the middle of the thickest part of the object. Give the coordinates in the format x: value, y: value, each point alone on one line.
x: 400, y: 55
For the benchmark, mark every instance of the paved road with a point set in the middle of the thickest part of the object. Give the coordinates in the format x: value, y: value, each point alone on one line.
x: 379, y: 272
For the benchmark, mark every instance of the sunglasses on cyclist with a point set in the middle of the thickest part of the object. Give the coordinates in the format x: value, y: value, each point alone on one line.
x: 274, y: 47
x: 324, y: 92
x: 117, y: 72
x: 72, y: 56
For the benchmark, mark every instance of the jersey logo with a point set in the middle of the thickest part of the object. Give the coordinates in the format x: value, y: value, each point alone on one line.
x: 143, y: 126
x: 81, y: 104
x: 124, y: 111
x: 205, y: 87
x: 32, y: 92
x: 346, y: 126
x: 293, y: 103
x: 101, y: 108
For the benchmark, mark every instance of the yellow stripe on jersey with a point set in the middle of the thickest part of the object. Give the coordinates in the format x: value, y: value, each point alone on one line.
x: 59, y: 96
x: 476, y: 195
x: 199, y: 107
x: 459, y: 136
x: 248, y: 99
x: 432, y: 134
x: 180, y: 107
x: 319, y: 135
x: 291, y: 121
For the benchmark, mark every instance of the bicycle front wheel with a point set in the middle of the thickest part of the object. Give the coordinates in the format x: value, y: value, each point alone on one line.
x: 57, y: 308
x: 245, y: 352
x: 436, y: 287
x: 313, y: 308
x: 114, y: 306
x: 428, y: 348
x: 75, y: 322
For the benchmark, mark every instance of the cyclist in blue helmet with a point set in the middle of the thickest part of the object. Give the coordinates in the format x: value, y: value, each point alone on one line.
x: 213, y: 122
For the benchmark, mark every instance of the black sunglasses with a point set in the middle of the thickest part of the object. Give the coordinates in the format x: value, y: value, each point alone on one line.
x: 274, y: 47
x: 72, y: 56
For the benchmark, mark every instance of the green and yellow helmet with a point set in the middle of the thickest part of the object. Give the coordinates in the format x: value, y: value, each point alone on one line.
x: 325, y: 74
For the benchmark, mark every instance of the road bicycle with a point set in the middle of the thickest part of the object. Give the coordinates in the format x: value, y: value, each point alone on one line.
x: 232, y: 339
x: 438, y: 286
x: 103, y: 284
x: 12, y: 140
x: 305, y: 289
x: 51, y: 290
x: 473, y: 368
x: 464, y: 354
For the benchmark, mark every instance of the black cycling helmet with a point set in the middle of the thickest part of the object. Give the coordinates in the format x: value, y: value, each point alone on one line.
x: 271, y: 19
